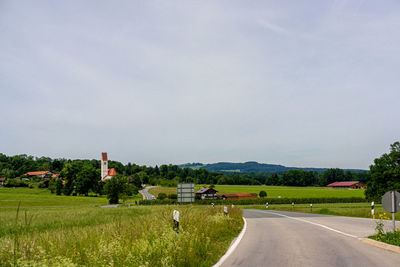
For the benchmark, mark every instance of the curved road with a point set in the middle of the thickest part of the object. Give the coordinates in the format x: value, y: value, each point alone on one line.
x: 145, y: 193
x: 277, y: 238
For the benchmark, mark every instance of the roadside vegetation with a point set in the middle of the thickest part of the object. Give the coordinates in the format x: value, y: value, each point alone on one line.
x: 78, y: 234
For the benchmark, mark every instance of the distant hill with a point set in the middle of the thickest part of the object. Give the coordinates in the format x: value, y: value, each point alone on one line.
x: 251, y: 167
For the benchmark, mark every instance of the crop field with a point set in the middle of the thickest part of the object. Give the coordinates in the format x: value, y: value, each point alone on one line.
x: 274, y: 191
x: 49, y: 230
x: 362, y: 210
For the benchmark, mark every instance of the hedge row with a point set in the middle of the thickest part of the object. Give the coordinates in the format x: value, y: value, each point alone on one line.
x: 260, y: 201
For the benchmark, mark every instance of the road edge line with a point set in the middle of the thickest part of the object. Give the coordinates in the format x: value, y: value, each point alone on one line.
x: 233, y: 246
x: 382, y: 245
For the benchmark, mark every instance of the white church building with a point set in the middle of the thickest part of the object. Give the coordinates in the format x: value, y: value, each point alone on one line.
x: 105, y: 172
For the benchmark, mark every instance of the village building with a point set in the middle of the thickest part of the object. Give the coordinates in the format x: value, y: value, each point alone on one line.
x: 348, y: 185
x: 207, y: 193
x: 239, y: 196
x: 39, y: 174
x: 105, y: 172
x: 2, y: 181
x: 55, y: 175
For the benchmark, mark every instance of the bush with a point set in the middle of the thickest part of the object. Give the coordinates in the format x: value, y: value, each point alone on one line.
x: 16, y: 183
x: 115, y: 188
x: 43, y: 184
x: 162, y: 196
x: 262, y: 194
x: 172, y: 196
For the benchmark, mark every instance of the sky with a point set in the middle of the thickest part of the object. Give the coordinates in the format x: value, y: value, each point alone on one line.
x: 297, y: 83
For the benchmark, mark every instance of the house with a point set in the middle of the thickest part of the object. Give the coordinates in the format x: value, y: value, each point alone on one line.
x: 239, y: 196
x: 105, y: 172
x: 2, y: 181
x: 348, y: 185
x: 55, y: 175
x: 207, y: 193
x: 39, y: 174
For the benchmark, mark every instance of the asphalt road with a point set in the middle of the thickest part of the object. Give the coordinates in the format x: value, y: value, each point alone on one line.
x: 277, y: 238
x: 145, y: 193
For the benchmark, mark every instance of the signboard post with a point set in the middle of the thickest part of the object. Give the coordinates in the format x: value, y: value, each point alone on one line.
x: 372, y: 209
x: 391, y: 203
x: 185, y: 193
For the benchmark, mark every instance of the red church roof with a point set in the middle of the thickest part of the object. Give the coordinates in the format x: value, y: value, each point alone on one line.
x: 112, y: 172
x: 344, y: 184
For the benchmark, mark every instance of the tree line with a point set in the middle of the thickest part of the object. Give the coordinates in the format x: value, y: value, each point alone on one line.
x: 82, y: 176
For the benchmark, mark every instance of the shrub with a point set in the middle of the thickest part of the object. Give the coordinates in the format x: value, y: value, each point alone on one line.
x: 115, y: 187
x: 162, y: 196
x: 173, y: 196
x: 262, y: 194
x: 15, y: 183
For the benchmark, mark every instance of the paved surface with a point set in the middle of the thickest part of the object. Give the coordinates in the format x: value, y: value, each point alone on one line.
x: 145, y: 193
x: 277, y: 238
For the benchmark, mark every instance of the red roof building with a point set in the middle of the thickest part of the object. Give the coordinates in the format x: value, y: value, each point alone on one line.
x: 56, y: 175
x: 112, y: 172
x: 40, y: 174
x: 348, y: 185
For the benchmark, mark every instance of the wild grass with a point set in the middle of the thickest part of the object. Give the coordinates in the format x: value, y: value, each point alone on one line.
x: 274, y: 191
x: 362, y: 210
x: 126, y: 236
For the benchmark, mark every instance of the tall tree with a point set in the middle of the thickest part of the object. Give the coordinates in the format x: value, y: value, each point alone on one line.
x: 385, y: 174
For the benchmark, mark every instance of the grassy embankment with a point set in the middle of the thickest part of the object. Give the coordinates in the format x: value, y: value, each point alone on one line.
x: 362, y: 210
x: 274, y: 191
x: 53, y: 230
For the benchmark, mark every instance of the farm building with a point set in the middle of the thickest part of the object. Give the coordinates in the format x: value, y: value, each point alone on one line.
x: 39, y: 174
x: 2, y: 181
x: 239, y: 196
x: 207, y: 193
x: 348, y: 185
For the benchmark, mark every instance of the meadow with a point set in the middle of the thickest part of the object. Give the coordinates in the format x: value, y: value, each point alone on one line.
x: 274, y: 191
x: 49, y: 230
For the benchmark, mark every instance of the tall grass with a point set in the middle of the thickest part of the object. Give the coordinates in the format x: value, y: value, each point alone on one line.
x: 135, y: 236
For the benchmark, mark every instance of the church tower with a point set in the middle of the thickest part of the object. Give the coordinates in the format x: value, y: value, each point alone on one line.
x: 104, y: 165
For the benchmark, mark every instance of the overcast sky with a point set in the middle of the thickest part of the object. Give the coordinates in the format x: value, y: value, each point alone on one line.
x: 298, y: 83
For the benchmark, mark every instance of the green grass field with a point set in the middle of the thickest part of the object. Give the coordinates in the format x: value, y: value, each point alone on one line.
x: 52, y: 230
x: 274, y: 191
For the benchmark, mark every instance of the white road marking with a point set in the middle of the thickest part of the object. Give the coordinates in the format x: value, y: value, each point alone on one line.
x: 233, y: 247
x: 317, y: 224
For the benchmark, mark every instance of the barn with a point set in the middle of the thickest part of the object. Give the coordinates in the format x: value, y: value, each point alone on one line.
x: 207, y: 193
x: 239, y: 196
x: 348, y: 185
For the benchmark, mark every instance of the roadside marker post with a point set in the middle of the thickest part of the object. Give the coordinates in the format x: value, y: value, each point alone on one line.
x: 266, y: 205
x: 212, y: 204
x: 233, y: 206
x: 175, y: 216
x: 225, y: 210
x: 292, y: 206
x: 311, y: 207
x: 372, y: 209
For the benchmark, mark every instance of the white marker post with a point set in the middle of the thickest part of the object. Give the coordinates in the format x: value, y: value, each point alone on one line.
x: 225, y: 210
x: 292, y: 205
x: 266, y: 205
x: 233, y: 206
x: 212, y: 204
x: 311, y: 208
x: 175, y: 216
x: 372, y: 209
x: 393, y: 212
